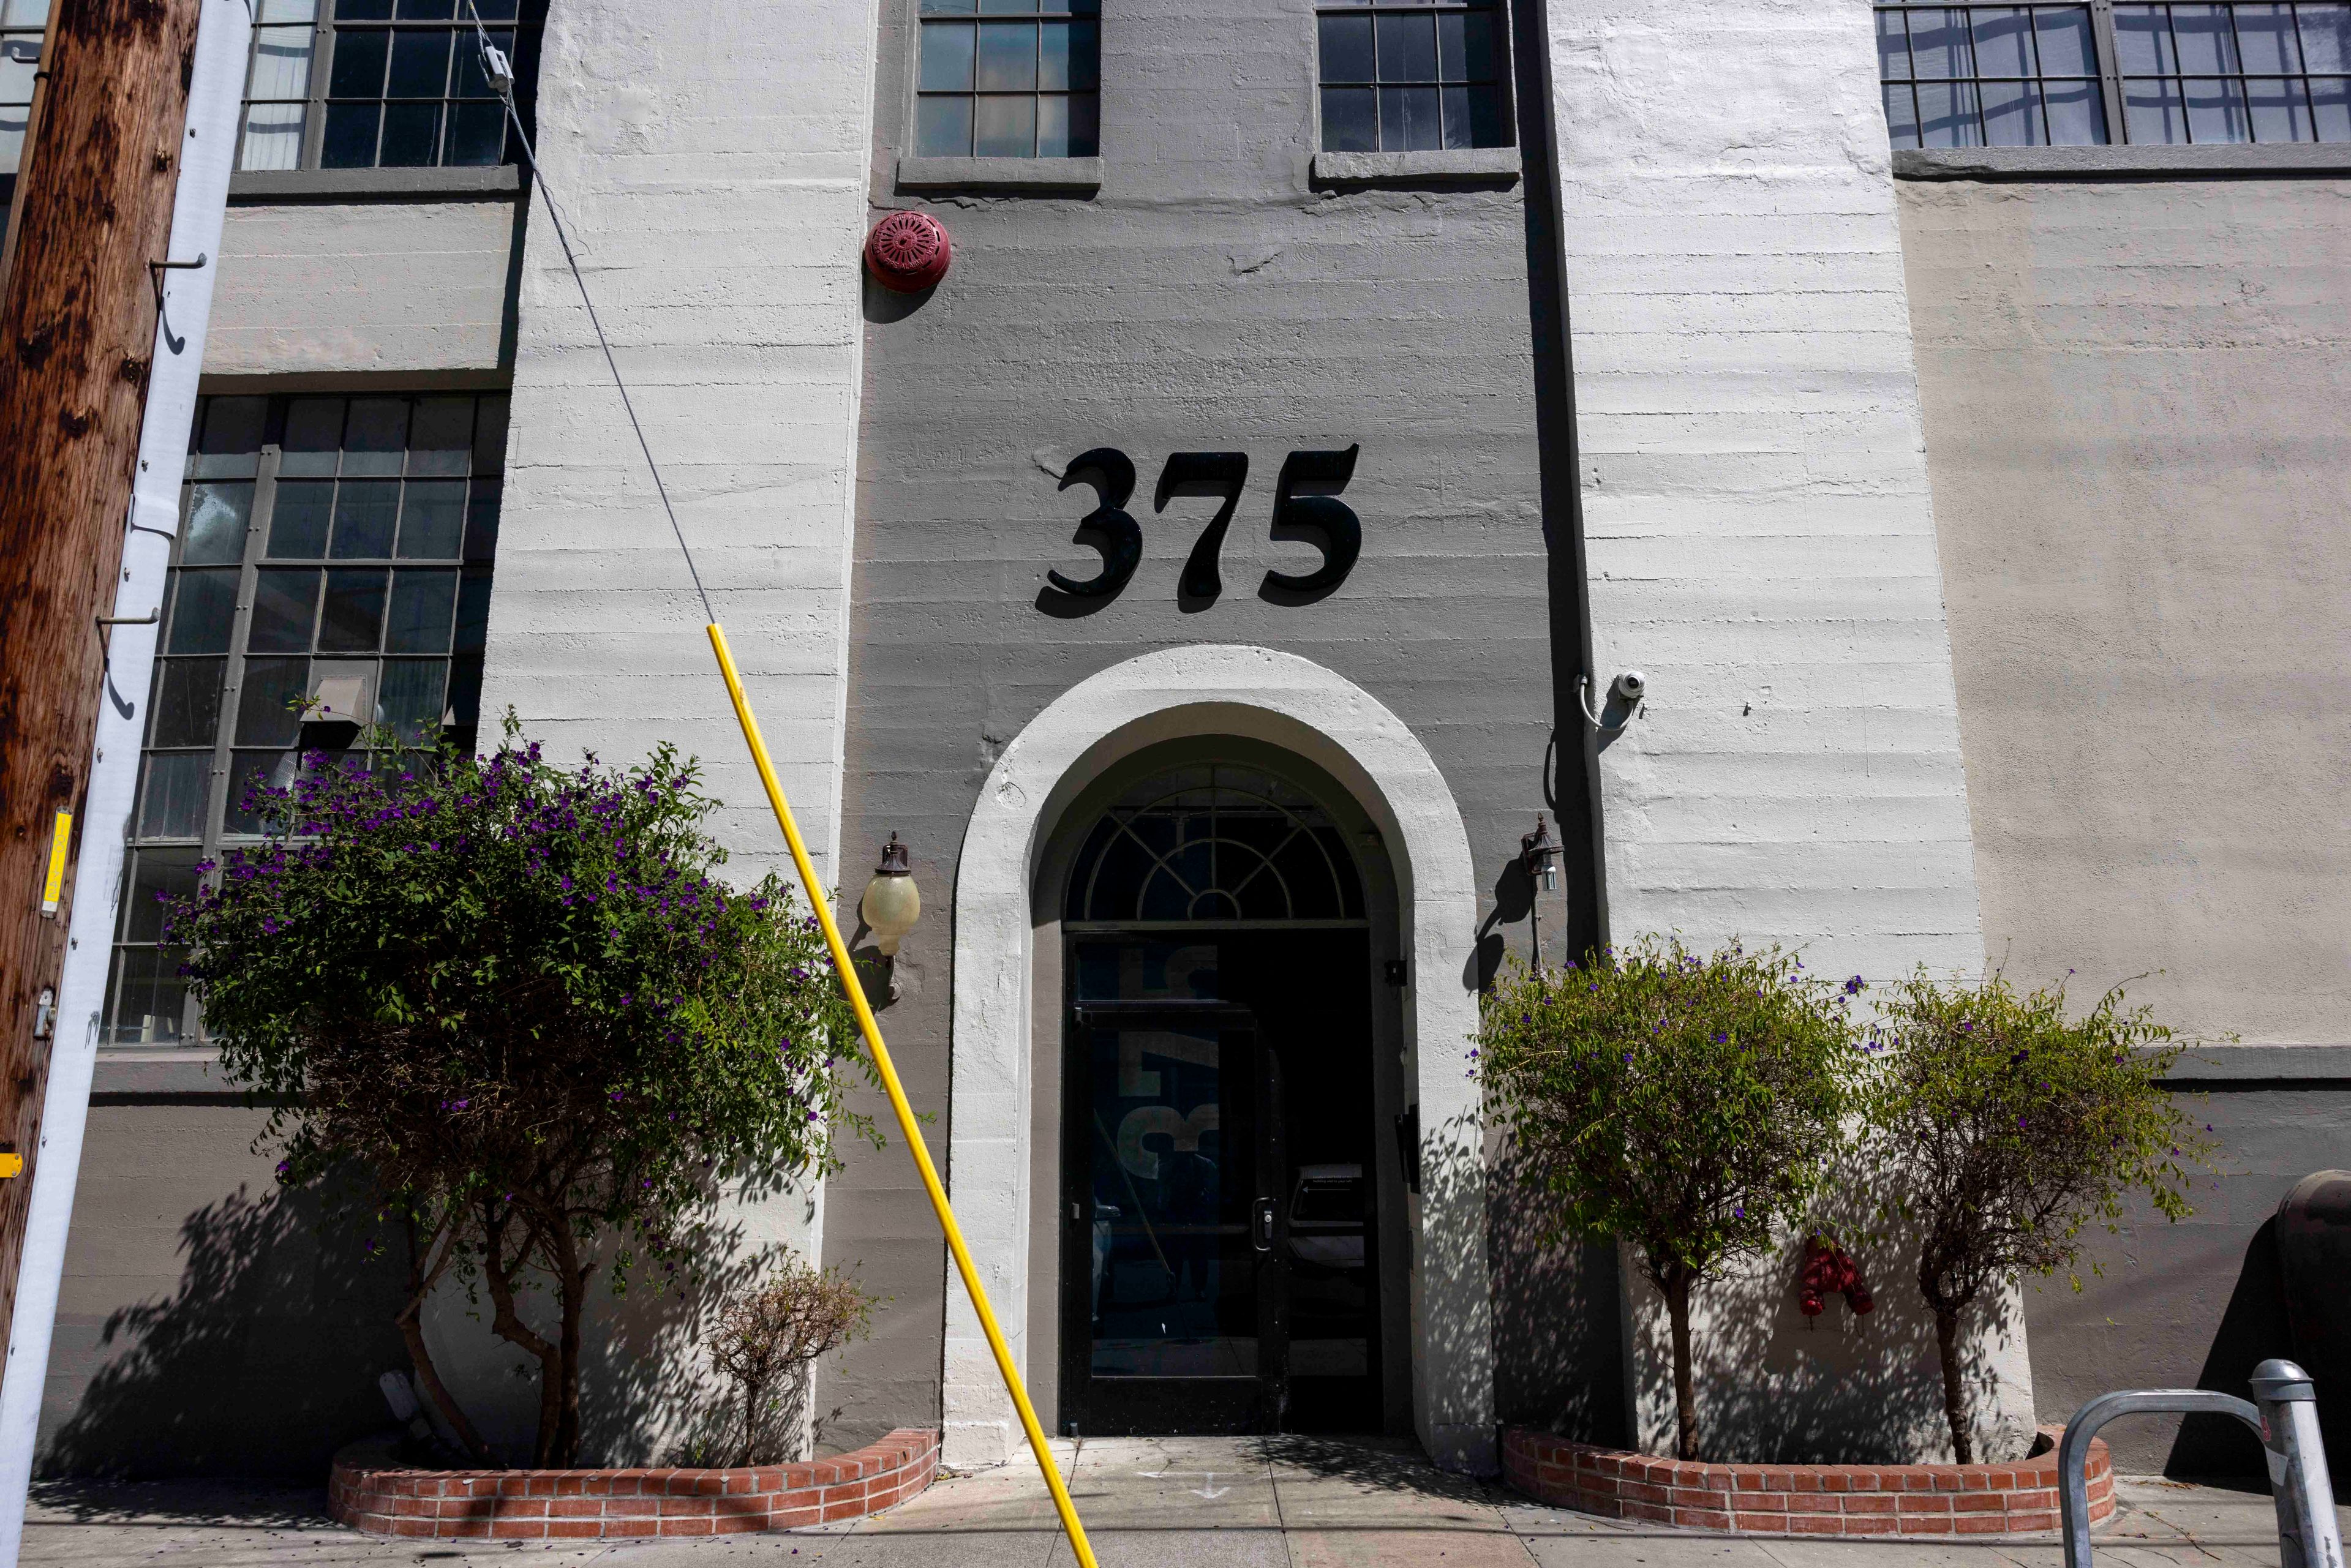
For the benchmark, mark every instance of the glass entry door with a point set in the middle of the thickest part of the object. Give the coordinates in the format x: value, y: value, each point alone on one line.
x: 1175, y: 1238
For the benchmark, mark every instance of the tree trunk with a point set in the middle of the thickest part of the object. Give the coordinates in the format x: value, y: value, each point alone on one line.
x: 497, y: 1273
x: 570, y: 1290
x: 421, y: 1281
x: 1955, y: 1401
x: 1677, y: 1288
x: 92, y: 208
x: 750, y: 1455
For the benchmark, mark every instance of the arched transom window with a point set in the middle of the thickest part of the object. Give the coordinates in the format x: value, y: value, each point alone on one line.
x: 1214, y: 842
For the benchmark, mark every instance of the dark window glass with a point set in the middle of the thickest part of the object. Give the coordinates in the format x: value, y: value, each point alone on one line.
x: 366, y: 513
x: 1004, y: 88
x: 363, y: 653
x: 186, y: 701
x: 396, y: 86
x: 300, y: 518
x: 1435, y: 70
x: 203, y: 612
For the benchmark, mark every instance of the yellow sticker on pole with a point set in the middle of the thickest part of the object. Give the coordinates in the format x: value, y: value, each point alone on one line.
x: 53, y: 888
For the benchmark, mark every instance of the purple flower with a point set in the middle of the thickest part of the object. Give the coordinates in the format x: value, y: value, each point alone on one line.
x: 1856, y: 986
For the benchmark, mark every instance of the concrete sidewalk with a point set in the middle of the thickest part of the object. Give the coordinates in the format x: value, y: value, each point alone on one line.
x: 1174, y: 1502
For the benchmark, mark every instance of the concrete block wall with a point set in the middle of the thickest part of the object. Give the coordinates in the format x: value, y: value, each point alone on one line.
x: 1760, y: 540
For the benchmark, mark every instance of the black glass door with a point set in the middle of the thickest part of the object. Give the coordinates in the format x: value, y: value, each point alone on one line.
x: 1212, y: 1211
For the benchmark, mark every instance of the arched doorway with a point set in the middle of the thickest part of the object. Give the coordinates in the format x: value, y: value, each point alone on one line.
x: 1220, y: 1256
x: 1003, y: 1144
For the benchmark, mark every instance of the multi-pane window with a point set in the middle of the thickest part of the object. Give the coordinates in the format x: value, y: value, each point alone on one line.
x: 21, y: 24
x: 1990, y: 75
x: 2077, y: 75
x: 1009, y: 78
x: 1410, y: 78
x: 2235, y: 73
x: 330, y: 588
x: 363, y: 84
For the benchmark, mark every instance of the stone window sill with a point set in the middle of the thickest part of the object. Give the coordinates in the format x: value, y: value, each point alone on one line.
x: 1004, y: 176
x: 2280, y: 160
x: 143, y: 1071
x: 1458, y: 166
x: 260, y: 187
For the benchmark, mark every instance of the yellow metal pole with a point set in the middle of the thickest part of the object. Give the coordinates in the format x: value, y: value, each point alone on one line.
x: 905, y: 1113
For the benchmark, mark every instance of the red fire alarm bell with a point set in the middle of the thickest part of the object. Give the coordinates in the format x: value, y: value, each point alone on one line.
x: 908, y: 252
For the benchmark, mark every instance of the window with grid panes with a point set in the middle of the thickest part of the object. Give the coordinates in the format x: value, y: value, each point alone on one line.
x: 331, y: 582
x: 364, y: 84
x: 21, y: 24
x: 2078, y: 75
x: 1009, y: 79
x: 1410, y: 77
x: 2235, y: 73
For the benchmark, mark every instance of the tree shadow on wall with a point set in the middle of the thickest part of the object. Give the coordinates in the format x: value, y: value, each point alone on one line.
x: 263, y: 1361
x: 648, y: 1393
x: 1559, y: 1364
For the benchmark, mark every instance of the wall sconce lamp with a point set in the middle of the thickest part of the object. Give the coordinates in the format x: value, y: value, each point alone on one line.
x: 891, y: 906
x: 1539, y: 858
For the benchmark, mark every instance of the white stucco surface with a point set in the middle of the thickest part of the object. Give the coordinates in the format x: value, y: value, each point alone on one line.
x: 1761, y: 536
x: 710, y: 161
x: 1294, y: 703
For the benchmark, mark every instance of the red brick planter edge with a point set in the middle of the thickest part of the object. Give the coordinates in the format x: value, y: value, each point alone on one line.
x: 591, y: 1505
x: 1800, y: 1499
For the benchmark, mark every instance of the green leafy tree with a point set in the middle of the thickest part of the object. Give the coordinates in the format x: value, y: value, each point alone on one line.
x: 1999, y: 1129
x: 519, y: 999
x: 1688, y: 1105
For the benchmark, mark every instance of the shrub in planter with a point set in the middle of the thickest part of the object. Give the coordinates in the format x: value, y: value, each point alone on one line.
x: 764, y: 1342
x: 1687, y: 1105
x: 1998, y: 1128
x: 519, y: 999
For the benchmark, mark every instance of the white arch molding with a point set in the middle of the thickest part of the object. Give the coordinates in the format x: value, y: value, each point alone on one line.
x: 1287, y: 701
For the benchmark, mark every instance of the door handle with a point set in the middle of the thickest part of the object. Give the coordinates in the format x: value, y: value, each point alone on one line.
x: 1264, y: 1225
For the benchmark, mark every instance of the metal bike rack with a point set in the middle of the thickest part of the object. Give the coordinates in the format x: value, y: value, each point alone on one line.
x: 2284, y: 1417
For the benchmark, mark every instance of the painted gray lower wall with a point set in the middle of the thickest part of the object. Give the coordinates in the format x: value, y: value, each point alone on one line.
x: 2134, y: 394
x: 1209, y: 299
x: 367, y: 287
x: 208, y: 1325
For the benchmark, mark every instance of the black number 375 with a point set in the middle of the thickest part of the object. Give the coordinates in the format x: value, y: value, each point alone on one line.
x: 1320, y: 517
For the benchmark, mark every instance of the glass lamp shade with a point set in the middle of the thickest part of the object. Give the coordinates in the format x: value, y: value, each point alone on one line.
x: 890, y: 906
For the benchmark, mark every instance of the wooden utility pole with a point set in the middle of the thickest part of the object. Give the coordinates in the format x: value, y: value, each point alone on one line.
x: 92, y: 209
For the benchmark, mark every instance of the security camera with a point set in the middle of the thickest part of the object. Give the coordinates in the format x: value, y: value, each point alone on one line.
x: 1632, y: 685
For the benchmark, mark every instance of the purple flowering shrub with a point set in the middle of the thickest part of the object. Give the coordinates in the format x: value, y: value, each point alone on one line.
x: 1999, y: 1129
x: 519, y: 999
x: 1687, y: 1105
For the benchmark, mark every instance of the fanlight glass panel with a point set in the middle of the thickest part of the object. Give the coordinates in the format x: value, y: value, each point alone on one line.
x: 1214, y: 842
